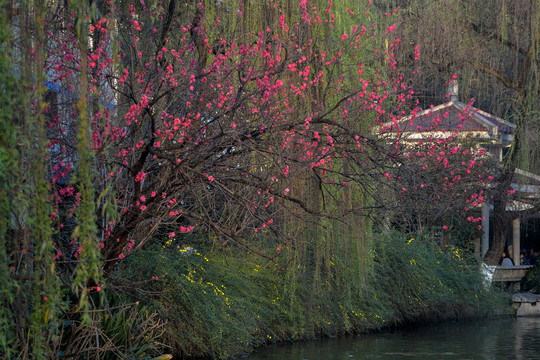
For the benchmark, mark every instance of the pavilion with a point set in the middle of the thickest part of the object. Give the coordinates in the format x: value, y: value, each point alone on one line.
x: 458, y: 119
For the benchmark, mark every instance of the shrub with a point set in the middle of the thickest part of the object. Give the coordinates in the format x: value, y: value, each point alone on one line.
x: 219, y: 305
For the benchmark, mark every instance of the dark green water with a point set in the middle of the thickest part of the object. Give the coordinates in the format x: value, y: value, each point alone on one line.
x: 507, y: 338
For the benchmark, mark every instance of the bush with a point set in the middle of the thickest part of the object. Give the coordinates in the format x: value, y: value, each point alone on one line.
x: 119, y: 329
x: 220, y: 305
x: 421, y: 281
x: 531, y: 281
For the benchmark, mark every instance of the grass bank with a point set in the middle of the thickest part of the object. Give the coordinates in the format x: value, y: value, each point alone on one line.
x: 219, y: 305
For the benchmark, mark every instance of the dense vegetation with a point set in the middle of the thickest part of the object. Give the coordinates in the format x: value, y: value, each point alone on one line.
x: 218, y: 305
x: 202, y: 178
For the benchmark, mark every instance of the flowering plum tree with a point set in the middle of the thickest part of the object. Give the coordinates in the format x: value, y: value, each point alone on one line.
x: 194, y: 131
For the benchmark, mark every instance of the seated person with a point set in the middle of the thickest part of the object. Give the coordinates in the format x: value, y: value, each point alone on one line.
x: 505, y: 260
x: 523, y: 259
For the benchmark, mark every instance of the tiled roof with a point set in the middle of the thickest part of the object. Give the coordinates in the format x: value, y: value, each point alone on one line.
x: 503, y: 126
x: 453, y: 116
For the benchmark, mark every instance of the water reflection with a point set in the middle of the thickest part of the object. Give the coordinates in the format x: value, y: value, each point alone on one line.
x: 490, y: 339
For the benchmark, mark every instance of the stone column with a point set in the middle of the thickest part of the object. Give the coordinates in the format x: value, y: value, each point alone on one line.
x: 516, y: 246
x: 485, y: 227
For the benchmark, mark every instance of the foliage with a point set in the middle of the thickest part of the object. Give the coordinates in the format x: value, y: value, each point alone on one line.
x: 221, y: 305
x: 425, y: 281
x: 531, y: 281
x: 8, y: 162
x: 30, y: 296
x: 255, y: 131
x: 119, y: 330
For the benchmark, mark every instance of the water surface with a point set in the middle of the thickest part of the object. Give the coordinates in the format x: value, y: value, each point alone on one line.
x: 508, y: 338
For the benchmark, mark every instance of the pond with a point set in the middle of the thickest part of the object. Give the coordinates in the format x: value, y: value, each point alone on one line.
x: 505, y: 338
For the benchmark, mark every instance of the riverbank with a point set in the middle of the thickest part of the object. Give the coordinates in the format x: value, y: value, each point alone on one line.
x: 219, y: 305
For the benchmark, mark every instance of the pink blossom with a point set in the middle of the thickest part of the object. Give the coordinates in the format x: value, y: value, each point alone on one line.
x: 171, y: 235
x: 286, y: 171
x: 211, y: 178
x: 140, y: 176
x: 344, y: 36
x: 121, y: 256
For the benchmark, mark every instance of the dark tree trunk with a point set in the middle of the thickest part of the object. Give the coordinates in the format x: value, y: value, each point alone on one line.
x: 501, y: 219
x: 500, y: 232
